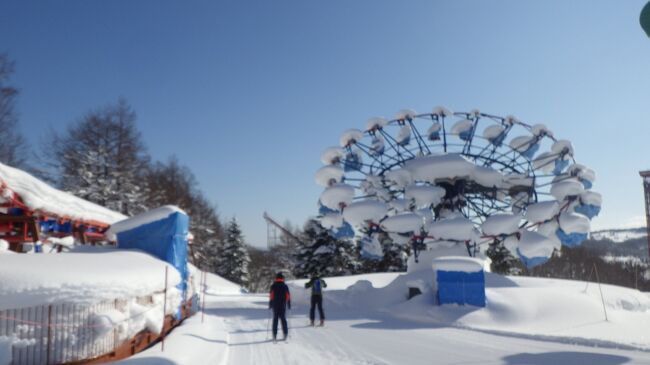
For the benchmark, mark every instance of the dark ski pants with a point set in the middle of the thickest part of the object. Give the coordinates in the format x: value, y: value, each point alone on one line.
x: 316, y: 300
x: 279, y: 313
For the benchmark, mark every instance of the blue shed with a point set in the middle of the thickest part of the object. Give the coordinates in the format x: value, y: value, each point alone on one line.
x: 460, y: 280
x: 161, y: 232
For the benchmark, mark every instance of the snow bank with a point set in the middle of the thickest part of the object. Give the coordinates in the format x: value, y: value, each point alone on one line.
x: 106, y: 274
x: 38, y: 196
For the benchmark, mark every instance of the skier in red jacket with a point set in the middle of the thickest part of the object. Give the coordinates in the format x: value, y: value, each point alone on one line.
x: 279, y: 301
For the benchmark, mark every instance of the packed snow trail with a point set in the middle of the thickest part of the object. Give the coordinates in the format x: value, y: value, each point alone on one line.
x: 354, y: 338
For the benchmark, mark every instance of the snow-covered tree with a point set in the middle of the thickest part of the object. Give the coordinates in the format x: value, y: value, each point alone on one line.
x: 320, y: 252
x: 502, y: 260
x: 12, y: 144
x: 101, y: 158
x: 233, y: 258
x: 394, y: 257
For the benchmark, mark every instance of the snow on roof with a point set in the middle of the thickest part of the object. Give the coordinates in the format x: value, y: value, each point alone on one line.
x: 360, y: 211
x: 31, y: 280
x: 152, y: 215
x: 457, y: 263
x: 450, y: 166
x: 331, y: 220
x: 331, y: 155
x: 402, y: 223
x: 540, y: 212
x: 533, y: 244
x: 336, y: 194
x: 425, y: 195
x: 574, y: 223
x: 350, y: 136
x: 39, y: 196
x: 459, y: 229
x: 326, y: 174
x: 498, y: 224
x: 570, y: 187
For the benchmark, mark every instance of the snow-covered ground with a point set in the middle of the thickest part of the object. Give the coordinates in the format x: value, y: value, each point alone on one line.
x: 619, y: 235
x: 526, y: 321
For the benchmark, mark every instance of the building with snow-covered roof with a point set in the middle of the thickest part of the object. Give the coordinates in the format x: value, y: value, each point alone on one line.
x: 31, y: 209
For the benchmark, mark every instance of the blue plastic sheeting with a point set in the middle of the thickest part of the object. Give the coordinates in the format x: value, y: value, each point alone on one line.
x: 570, y: 239
x: 560, y: 165
x: 352, y: 162
x: 378, y: 147
x: 498, y: 140
x: 531, y: 262
x: 322, y: 210
x: 345, y: 231
x: 586, y: 183
x: 405, y: 141
x: 165, y: 239
x: 589, y: 210
x: 466, y: 134
x: 462, y: 288
x: 530, y: 152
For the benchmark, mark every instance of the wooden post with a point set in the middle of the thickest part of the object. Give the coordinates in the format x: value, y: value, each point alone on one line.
x: 162, y: 344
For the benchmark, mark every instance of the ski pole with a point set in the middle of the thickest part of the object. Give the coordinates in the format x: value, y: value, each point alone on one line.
x: 268, y: 326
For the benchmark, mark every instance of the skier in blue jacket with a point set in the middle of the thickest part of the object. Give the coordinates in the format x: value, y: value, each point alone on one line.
x: 279, y: 301
x: 317, y: 285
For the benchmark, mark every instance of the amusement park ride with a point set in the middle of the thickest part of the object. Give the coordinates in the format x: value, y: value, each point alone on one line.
x: 457, y: 182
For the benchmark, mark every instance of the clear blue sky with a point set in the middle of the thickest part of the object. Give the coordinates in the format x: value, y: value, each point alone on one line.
x: 248, y: 93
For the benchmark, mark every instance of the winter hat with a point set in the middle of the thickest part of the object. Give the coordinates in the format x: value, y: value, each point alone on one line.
x: 279, y: 275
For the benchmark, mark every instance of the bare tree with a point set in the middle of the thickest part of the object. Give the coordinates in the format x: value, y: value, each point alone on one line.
x: 13, y: 147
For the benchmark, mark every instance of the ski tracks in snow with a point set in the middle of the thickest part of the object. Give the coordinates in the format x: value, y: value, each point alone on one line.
x: 250, y: 342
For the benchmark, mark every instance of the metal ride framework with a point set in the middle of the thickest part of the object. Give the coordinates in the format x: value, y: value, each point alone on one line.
x: 383, y: 149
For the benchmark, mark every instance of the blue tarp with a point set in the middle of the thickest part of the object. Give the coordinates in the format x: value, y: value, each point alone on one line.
x: 456, y: 287
x: 165, y: 239
x: 531, y: 262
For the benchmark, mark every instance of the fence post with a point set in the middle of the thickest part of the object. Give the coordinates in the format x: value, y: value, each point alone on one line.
x: 49, y: 333
x: 162, y: 345
x: 601, y: 292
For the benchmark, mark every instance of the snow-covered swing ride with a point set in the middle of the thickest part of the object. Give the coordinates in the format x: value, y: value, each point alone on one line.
x: 454, y: 183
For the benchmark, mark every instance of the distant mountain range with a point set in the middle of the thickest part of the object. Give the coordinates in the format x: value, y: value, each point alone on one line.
x: 619, y: 242
x: 619, y: 235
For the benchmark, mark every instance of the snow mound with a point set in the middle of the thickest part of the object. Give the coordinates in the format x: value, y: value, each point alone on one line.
x: 457, y: 263
x: 106, y: 274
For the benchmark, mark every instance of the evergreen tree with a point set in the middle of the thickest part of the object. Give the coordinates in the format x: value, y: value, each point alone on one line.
x: 233, y: 256
x: 320, y: 252
x: 502, y: 260
x: 394, y: 258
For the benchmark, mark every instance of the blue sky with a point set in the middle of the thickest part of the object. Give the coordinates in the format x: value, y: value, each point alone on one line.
x: 248, y: 93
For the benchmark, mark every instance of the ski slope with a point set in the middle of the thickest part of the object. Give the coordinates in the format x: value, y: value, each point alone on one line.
x: 235, y: 331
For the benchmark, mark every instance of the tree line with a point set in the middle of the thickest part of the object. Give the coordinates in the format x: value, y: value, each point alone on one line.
x: 102, y: 158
